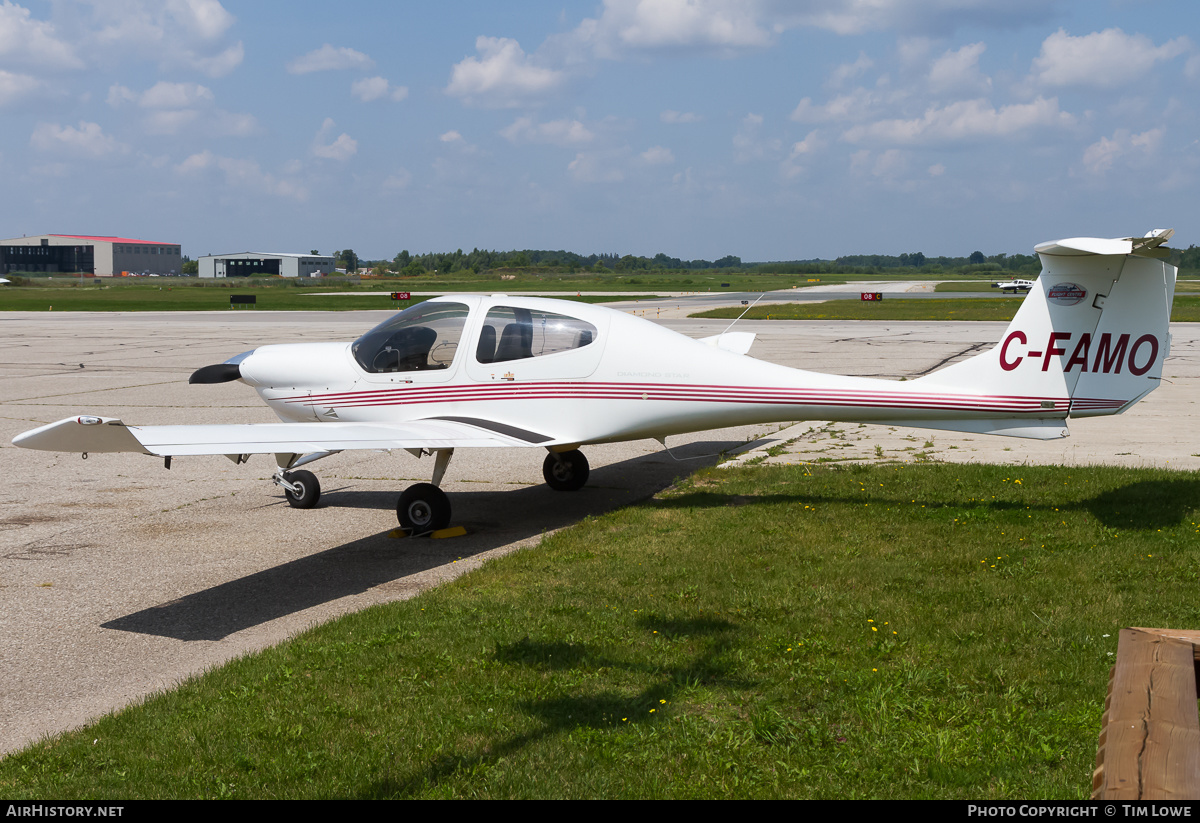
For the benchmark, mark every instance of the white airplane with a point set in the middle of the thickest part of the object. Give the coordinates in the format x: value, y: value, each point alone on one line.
x: 1013, y: 285
x: 462, y: 371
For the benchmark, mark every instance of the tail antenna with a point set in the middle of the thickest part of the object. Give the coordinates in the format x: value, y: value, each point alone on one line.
x: 743, y: 314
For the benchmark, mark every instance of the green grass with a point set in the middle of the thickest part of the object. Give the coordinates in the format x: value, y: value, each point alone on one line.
x: 270, y: 296
x: 1186, y: 309
x: 859, y: 631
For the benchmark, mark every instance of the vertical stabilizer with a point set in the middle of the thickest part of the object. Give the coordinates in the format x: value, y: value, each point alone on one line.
x: 1091, y: 336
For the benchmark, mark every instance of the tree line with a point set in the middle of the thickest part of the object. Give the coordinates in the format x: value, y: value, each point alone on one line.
x: 481, y: 260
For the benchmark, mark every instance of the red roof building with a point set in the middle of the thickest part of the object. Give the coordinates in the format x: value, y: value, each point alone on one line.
x: 88, y: 254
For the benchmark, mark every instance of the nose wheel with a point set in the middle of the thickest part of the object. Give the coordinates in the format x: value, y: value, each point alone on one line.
x: 423, y: 508
x: 566, y: 472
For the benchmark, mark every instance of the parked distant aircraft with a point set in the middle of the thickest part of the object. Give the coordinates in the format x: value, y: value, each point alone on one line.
x: 1013, y: 285
x: 463, y: 371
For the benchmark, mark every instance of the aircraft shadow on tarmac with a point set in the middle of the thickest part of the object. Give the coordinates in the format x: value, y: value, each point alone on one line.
x: 492, y: 519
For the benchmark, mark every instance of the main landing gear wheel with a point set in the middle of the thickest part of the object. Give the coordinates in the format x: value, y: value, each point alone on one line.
x: 423, y: 508
x: 566, y: 472
x: 308, y: 490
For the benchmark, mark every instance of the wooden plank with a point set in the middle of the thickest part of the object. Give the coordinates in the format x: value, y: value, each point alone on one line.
x: 1150, y: 733
x: 1171, y: 759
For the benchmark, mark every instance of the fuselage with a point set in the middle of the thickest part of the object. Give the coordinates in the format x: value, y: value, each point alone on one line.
x: 586, y: 374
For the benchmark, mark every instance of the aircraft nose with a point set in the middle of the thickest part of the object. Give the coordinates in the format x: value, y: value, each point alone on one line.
x: 231, y: 369
x: 295, y: 366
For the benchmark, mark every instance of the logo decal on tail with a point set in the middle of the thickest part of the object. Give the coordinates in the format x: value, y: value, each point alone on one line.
x: 1066, y: 294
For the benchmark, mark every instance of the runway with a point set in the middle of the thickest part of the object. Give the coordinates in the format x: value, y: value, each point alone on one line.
x: 119, y: 577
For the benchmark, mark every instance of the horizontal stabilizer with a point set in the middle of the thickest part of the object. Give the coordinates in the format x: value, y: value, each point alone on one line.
x: 1039, y: 429
x: 1077, y: 246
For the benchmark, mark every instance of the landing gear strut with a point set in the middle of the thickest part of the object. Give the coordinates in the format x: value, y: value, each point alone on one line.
x: 566, y: 472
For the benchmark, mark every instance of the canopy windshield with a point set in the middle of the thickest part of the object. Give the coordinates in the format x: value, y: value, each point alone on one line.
x: 420, y: 338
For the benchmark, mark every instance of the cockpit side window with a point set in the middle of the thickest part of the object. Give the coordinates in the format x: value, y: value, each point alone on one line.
x: 423, y: 337
x: 511, y: 333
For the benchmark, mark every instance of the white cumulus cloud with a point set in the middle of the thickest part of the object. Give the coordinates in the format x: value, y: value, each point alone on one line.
x: 672, y: 116
x: 329, y: 58
x: 243, y: 174
x: 89, y: 140
x: 963, y: 120
x: 377, y: 88
x: 26, y: 41
x: 164, y: 95
x: 170, y: 121
x: 657, y: 156
x: 555, y: 132
x: 15, y: 86
x: 854, y: 105
x: 343, y: 147
x: 1101, y: 155
x: 176, y: 106
x: 656, y: 24
x: 1105, y: 59
x: 188, y: 33
x: 502, y: 75
x: 958, y: 70
x: 596, y: 167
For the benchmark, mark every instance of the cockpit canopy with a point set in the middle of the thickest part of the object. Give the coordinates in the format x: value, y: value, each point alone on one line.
x: 422, y: 337
x: 510, y: 333
x: 427, y: 336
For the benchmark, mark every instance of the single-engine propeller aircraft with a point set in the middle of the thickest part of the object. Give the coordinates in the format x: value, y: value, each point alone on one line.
x: 1015, y: 285
x: 463, y: 371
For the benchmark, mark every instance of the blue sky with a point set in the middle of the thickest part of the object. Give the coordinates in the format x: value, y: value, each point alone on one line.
x: 766, y: 129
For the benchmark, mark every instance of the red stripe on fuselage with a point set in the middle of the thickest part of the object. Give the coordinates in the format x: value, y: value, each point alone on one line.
x: 680, y: 393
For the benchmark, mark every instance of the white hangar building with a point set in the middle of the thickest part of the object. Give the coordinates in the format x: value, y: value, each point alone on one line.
x: 244, y: 264
x: 88, y: 254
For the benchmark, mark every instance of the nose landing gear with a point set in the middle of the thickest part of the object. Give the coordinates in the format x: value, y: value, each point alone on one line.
x: 300, y: 488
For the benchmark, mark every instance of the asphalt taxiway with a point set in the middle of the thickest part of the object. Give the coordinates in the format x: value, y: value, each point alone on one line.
x: 119, y: 577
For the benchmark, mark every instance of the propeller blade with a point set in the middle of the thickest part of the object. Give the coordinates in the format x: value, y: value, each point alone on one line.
x: 220, y: 373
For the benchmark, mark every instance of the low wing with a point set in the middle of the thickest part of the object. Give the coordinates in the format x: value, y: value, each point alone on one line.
x: 106, y: 434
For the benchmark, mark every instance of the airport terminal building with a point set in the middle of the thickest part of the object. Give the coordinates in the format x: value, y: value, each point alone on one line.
x: 88, y: 254
x: 244, y: 264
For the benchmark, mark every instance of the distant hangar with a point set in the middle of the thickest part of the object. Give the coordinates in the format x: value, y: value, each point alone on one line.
x: 244, y: 264
x: 88, y: 254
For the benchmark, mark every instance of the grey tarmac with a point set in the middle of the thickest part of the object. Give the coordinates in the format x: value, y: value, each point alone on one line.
x: 119, y: 578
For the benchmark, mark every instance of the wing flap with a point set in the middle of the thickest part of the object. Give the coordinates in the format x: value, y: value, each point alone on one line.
x: 112, y: 435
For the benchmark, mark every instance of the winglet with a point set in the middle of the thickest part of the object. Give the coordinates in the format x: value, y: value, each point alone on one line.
x: 85, y: 433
